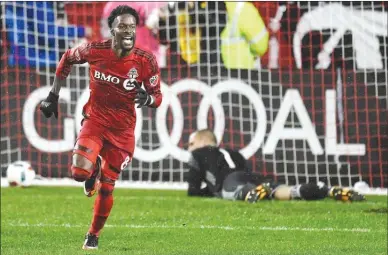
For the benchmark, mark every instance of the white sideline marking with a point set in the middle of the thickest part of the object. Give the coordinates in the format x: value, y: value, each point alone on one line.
x: 277, y: 228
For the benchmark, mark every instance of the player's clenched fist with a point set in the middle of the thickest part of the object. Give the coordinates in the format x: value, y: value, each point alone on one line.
x: 143, y: 98
x: 50, y: 105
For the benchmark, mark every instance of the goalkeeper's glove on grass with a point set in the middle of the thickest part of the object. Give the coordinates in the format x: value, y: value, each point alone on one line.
x: 50, y: 105
x: 143, y: 98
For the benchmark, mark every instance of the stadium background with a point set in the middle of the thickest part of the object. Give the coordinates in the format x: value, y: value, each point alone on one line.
x: 32, y: 42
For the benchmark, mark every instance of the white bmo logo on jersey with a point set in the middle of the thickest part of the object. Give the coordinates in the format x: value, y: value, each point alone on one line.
x: 104, y: 77
x: 128, y: 84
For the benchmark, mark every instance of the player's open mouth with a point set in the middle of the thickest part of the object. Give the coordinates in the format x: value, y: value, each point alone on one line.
x: 128, y: 40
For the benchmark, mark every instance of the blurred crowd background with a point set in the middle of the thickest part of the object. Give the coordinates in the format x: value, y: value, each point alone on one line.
x: 243, y: 35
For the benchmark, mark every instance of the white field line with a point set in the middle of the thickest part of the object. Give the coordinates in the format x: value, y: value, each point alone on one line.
x: 133, y: 226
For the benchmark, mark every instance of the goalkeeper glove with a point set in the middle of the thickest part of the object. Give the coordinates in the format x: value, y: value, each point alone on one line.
x: 143, y: 98
x: 50, y: 105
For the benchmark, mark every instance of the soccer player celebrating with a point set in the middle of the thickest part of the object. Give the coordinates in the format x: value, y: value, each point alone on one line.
x: 227, y: 176
x: 105, y: 144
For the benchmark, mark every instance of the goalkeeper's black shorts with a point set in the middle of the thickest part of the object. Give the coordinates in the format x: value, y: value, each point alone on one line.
x: 237, y: 181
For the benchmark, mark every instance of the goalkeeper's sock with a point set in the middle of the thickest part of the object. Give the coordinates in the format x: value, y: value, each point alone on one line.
x: 309, y: 191
x: 102, y: 207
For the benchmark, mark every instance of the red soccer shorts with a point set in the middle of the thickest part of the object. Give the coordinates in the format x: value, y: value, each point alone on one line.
x: 92, y: 141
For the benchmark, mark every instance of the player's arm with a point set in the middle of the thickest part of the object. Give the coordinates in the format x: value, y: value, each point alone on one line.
x: 195, y: 180
x: 151, y: 96
x: 77, y: 55
x: 240, y: 161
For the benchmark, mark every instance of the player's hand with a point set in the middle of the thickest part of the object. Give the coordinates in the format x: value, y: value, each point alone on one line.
x: 50, y: 105
x: 143, y: 98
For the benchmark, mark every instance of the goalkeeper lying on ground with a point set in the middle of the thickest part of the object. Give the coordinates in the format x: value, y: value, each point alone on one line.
x: 226, y: 176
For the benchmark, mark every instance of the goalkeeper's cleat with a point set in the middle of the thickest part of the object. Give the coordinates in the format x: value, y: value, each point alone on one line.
x: 345, y: 194
x: 91, y: 242
x: 92, y: 185
x: 261, y: 192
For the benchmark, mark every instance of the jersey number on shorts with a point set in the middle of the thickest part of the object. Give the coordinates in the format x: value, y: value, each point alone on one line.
x: 125, y: 163
x: 228, y: 158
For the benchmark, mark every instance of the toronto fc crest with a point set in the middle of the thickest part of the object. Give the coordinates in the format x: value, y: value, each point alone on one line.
x: 132, y: 74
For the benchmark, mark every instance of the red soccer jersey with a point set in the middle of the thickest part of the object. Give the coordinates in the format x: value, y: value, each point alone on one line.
x: 111, y: 101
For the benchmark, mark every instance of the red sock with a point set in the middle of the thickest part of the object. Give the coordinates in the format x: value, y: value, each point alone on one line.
x: 102, y: 207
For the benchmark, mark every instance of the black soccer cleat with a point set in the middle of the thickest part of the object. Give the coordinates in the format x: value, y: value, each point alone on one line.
x: 91, y: 242
x: 261, y: 192
x: 346, y: 194
x: 92, y: 184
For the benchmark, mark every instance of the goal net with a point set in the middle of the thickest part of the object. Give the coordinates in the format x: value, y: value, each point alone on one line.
x: 312, y: 108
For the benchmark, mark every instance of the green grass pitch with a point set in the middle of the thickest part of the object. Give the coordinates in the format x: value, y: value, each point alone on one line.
x: 53, y: 220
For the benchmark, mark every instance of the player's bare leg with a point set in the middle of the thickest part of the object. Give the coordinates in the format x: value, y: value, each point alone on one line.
x: 282, y: 192
x: 92, y: 184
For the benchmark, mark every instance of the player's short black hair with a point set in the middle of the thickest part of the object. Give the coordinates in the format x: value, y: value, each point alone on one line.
x: 120, y: 10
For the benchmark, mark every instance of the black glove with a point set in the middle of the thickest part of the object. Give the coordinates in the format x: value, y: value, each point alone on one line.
x: 50, y: 105
x: 143, y: 98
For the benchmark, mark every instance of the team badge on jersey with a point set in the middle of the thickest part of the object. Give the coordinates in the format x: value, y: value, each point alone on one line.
x: 132, y: 74
x: 154, y: 80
